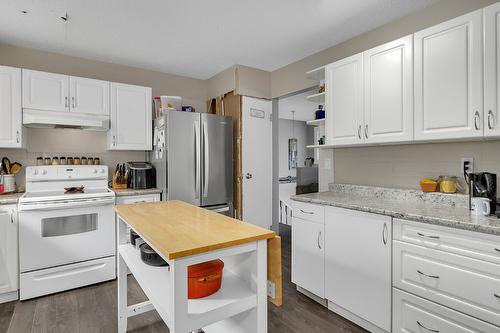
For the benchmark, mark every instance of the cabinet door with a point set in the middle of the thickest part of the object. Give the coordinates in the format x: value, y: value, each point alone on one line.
x: 308, y: 270
x: 131, y: 118
x: 358, y: 263
x: 45, y: 91
x: 10, y: 107
x: 344, y: 101
x: 89, y: 96
x: 449, y: 80
x: 388, y: 93
x: 8, y: 249
x: 492, y: 70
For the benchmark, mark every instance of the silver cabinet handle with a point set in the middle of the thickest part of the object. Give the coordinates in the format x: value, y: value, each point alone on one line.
x: 497, y: 249
x: 319, y: 236
x: 427, y: 328
x: 496, y: 295
x: 306, y: 212
x: 73, y: 102
x: 65, y: 101
x: 12, y: 217
x: 476, y: 120
x: 490, y: 117
x: 384, y: 234
x: 428, y: 236
x: 18, y: 138
x: 366, y: 131
x: 359, y: 132
x: 427, y: 275
x: 114, y: 140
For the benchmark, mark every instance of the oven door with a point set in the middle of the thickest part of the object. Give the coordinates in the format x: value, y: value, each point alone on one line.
x: 55, y: 235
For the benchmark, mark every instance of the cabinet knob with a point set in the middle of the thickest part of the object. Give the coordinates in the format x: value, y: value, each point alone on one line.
x: 18, y: 138
x: 366, y: 131
x: 65, y: 101
x: 248, y: 175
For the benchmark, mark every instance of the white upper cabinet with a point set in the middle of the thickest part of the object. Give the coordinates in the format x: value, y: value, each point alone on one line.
x: 45, y: 91
x: 388, y: 92
x: 344, y: 101
x: 491, y: 122
x: 89, y: 96
x: 131, y: 118
x: 10, y: 108
x: 449, y: 80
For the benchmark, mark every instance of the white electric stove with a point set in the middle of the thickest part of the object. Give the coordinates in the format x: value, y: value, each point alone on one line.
x: 66, y: 239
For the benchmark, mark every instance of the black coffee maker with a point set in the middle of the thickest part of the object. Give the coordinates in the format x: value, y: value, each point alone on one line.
x: 485, y: 185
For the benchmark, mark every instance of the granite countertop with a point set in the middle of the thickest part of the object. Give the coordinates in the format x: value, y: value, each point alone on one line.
x: 6, y: 199
x: 439, y: 209
x: 129, y: 192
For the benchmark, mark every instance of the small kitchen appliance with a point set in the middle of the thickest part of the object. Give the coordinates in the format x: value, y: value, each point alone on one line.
x: 141, y: 175
x: 485, y: 185
x: 66, y: 238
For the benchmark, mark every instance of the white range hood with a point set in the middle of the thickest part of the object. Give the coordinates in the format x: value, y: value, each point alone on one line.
x: 52, y: 119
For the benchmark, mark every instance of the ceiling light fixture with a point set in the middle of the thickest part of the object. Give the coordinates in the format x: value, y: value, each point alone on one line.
x: 65, y: 17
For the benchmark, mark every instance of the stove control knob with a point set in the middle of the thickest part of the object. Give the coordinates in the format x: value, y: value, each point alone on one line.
x: 34, y: 172
x: 102, y: 170
x: 94, y: 171
x: 44, y: 172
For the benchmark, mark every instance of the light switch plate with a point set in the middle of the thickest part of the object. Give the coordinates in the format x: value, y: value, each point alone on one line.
x: 271, y: 289
x: 328, y: 164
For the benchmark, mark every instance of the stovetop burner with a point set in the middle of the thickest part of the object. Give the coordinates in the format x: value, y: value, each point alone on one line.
x: 71, y: 190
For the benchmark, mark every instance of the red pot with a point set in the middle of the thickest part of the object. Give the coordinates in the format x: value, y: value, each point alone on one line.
x: 204, y: 279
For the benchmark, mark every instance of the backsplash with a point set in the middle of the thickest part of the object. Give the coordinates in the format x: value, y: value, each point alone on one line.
x: 403, y: 166
x: 66, y: 142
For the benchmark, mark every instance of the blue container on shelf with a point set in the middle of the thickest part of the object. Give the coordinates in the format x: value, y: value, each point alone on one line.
x: 320, y: 113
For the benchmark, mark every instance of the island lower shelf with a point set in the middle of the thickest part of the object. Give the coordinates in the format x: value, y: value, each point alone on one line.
x: 235, y: 295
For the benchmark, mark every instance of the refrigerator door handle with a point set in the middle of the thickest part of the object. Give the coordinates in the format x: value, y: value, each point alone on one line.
x: 197, y: 158
x: 206, y: 163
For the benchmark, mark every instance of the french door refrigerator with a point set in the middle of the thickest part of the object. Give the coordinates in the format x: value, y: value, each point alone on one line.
x: 193, y: 156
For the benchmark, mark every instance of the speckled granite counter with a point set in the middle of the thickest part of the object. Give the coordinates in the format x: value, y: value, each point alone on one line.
x: 439, y: 209
x: 6, y: 199
x: 129, y: 192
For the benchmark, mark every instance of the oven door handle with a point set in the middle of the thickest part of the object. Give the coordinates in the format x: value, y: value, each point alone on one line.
x: 65, y: 205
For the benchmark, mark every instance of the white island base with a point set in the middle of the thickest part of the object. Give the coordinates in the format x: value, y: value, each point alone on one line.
x: 239, y: 306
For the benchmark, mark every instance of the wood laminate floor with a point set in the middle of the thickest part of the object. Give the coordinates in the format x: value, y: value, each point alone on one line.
x: 93, y: 309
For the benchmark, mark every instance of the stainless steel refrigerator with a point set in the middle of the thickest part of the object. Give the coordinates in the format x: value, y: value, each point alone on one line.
x: 193, y: 156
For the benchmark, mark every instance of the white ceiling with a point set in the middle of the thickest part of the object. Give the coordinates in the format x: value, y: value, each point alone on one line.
x: 195, y: 38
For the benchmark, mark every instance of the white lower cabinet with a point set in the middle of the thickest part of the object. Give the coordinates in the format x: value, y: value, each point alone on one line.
x: 9, y: 263
x: 308, y: 266
x: 358, y: 264
x: 415, y: 314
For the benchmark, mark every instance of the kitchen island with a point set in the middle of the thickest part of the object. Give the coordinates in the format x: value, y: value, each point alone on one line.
x: 185, y: 235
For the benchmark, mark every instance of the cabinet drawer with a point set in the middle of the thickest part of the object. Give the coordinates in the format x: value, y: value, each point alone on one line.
x: 468, y: 285
x: 415, y: 314
x: 309, y: 212
x: 137, y: 199
x: 467, y: 243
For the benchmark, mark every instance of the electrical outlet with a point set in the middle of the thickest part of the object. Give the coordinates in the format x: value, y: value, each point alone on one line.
x: 271, y: 289
x: 467, y: 165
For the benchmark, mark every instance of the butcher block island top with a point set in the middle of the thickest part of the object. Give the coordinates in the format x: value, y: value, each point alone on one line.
x: 177, y: 229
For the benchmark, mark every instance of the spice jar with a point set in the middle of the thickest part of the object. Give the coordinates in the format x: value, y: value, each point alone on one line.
x: 70, y: 161
x: 39, y: 161
x: 77, y: 161
x: 97, y: 161
x: 62, y: 161
x: 55, y: 161
x: 84, y: 161
x: 48, y: 161
x: 90, y: 160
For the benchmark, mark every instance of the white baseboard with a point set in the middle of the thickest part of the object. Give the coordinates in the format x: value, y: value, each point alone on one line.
x: 354, y: 318
x: 309, y: 294
x: 9, y: 297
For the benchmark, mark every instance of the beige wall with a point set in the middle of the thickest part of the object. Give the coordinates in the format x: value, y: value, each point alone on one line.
x: 403, y: 166
x: 291, y: 78
x: 246, y: 81
x: 193, y: 91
